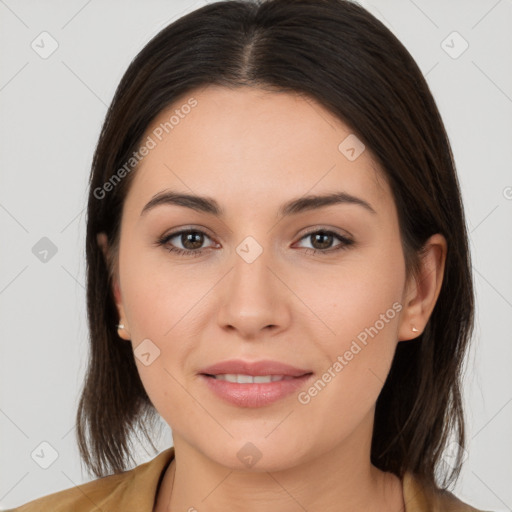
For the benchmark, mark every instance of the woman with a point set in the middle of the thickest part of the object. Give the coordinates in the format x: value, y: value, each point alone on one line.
x: 278, y: 266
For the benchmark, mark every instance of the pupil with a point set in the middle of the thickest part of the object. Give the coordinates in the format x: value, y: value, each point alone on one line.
x: 325, y: 244
x: 189, y: 237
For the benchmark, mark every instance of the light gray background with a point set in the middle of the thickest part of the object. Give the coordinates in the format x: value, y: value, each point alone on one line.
x: 51, y: 111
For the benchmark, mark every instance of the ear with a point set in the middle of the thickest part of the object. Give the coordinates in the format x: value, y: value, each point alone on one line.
x: 103, y: 244
x: 422, y: 291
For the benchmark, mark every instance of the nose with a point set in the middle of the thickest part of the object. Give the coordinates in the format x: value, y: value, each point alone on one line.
x: 254, y: 299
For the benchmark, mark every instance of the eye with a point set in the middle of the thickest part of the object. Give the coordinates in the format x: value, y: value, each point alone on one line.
x: 191, y: 240
x: 322, y: 241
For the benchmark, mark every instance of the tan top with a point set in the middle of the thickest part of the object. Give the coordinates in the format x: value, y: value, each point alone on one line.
x: 136, y: 491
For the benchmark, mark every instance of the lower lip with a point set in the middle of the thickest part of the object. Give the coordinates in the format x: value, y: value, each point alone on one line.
x: 257, y: 394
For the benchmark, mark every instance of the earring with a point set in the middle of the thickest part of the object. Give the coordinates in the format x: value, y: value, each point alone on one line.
x: 414, y: 329
x: 119, y: 328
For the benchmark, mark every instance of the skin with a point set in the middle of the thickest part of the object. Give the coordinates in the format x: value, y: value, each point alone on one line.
x: 252, y: 151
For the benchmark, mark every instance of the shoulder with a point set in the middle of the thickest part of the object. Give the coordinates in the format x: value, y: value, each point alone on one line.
x: 84, y: 497
x: 420, y: 498
x: 137, y: 486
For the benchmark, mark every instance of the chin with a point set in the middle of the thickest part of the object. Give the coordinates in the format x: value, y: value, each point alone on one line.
x: 254, y: 454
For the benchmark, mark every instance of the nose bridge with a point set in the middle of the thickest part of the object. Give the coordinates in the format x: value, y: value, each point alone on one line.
x: 252, y: 299
x: 251, y: 281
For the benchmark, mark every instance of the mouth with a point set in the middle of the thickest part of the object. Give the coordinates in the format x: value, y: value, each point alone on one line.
x: 253, y: 383
x: 245, y: 369
x: 252, y: 379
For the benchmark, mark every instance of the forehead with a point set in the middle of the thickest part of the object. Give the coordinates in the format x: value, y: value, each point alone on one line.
x: 250, y: 143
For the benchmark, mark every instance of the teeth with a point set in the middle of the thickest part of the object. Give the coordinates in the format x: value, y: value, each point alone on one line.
x: 249, y: 379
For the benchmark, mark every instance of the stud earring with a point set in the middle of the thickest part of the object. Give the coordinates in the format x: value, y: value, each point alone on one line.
x: 120, y: 327
x: 414, y: 329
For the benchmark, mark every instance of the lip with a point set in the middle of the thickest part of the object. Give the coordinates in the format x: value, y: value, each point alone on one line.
x: 255, y: 394
x: 263, y: 367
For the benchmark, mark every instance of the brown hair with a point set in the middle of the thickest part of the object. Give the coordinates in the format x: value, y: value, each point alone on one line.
x: 337, y: 53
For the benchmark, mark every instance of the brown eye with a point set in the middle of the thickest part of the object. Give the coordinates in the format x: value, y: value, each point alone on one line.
x: 322, y: 241
x: 191, y: 240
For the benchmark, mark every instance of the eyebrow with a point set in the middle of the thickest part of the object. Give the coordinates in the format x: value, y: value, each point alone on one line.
x: 208, y: 205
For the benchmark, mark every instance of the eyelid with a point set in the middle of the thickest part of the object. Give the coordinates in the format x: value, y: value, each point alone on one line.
x: 190, y: 227
x: 340, y: 232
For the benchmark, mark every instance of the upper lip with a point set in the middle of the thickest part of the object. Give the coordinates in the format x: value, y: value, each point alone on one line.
x: 263, y: 367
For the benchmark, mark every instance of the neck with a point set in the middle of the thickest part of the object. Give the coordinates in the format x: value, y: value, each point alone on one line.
x: 337, y: 480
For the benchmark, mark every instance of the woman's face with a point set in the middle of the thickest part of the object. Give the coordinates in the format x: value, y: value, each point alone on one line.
x: 253, y: 289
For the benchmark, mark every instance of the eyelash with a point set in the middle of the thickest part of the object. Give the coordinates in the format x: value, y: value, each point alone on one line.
x: 345, y: 242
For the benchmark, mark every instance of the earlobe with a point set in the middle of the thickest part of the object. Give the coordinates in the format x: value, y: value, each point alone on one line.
x: 119, y: 302
x: 122, y: 331
x: 423, y: 289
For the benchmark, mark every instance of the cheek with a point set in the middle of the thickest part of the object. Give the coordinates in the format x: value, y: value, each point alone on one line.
x: 359, y: 305
x: 160, y: 303
x: 353, y: 296
x: 159, y: 295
